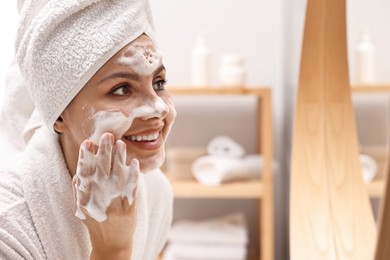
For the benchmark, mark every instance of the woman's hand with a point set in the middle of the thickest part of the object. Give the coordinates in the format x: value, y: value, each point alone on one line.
x: 112, y: 238
x: 105, y: 190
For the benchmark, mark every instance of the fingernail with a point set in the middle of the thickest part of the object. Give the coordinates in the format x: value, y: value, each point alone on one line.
x: 105, y: 139
x: 120, y: 145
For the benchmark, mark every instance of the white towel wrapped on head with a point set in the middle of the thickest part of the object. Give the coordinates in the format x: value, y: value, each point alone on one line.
x: 60, y: 45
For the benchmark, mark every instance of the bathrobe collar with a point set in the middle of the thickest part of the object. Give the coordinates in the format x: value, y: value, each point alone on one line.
x: 47, y: 187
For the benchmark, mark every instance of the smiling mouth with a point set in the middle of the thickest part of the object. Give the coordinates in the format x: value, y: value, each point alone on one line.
x: 143, y: 138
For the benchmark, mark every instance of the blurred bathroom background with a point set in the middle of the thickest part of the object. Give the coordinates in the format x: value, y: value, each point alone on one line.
x: 267, y: 36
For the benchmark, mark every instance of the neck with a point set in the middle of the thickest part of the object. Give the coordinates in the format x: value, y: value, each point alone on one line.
x: 71, y: 154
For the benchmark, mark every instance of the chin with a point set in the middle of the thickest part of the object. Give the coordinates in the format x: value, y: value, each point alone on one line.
x: 151, y: 163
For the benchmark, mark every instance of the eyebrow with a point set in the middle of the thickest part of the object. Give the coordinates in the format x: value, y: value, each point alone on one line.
x: 131, y: 76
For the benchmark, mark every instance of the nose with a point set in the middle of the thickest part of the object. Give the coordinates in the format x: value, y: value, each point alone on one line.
x: 154, y: 109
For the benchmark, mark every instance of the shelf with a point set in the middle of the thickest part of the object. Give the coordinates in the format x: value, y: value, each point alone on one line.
x: 376, y: 188
x: 235, y: 190
x: 253, y: 189
x: 380, y: 154
x: 261, y: 90
x: 371, y: 88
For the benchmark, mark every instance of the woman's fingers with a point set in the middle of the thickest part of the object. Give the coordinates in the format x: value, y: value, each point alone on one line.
x: 104, y: 154
x: 86, y: 165
x: 119, y: 164
x: 104, y: 182
x: 85, y: 169
x: 82, y: 195
x: 124, y: 176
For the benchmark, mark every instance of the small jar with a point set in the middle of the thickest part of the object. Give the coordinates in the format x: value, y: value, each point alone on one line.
x: 231, y: 72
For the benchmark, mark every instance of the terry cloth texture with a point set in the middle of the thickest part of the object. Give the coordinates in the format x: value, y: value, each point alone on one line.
x: 37, y: 207
x: 60, y: 44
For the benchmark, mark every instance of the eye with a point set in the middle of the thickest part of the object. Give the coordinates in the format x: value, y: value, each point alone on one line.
x: 159, y: 85
x: 121, y: 90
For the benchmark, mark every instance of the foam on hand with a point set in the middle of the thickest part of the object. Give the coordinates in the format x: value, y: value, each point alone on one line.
x: 97, y: 185
x: 100, y: 178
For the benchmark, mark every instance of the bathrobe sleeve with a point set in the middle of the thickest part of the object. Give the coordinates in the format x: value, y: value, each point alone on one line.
x: 18, y: 239
x: 160, y: 203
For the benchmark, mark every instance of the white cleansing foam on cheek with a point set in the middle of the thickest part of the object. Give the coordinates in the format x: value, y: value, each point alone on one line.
x: 114, y: 122
x: 98, y: 184
x: 117, y: 123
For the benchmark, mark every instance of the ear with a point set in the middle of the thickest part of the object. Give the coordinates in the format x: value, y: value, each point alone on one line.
x: 59, y: 125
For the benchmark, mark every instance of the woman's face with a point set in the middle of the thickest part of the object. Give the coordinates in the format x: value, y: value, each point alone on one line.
x: 127, y: 98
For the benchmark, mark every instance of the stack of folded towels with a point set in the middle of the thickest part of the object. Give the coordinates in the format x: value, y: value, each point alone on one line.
x: 221, y: 238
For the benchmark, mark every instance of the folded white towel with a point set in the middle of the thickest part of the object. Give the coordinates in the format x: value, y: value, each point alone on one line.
x: 369, y: 167
x: 224, y: 146
x: 220, y: 238
x: 214, y: 170
x: 223, y: 230
x: 181, y: 251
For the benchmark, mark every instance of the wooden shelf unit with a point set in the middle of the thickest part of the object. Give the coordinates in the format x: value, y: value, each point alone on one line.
x: 261, y: 190
x: 371, y: 88
x: 377, y: 186
x: 234, y: 190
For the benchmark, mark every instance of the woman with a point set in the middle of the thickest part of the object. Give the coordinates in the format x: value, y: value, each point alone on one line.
x: 102, y: 115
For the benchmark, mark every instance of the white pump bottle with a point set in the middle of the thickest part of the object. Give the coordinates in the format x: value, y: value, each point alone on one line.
x: 201, y: 62
x: 365, y: 59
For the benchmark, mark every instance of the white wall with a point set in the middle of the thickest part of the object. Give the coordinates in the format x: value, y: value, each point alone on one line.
x: 8, y: 24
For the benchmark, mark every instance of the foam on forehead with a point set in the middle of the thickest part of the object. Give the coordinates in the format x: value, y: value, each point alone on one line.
x: 142, y: 57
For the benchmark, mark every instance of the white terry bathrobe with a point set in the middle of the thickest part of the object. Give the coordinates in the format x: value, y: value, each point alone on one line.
x: 37, y: 207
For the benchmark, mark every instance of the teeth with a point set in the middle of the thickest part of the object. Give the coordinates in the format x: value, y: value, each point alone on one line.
x: 139, y: 138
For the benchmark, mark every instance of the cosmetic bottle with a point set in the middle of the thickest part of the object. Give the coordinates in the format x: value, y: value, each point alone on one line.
x: 365, y: 59
x: 201, y: 62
